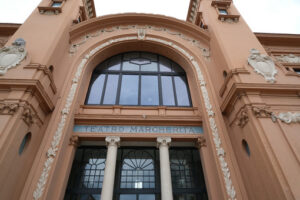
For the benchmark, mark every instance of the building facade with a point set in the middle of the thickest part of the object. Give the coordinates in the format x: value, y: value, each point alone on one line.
x: 143, y: 107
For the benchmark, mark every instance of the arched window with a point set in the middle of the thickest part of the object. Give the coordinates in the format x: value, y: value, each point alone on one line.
x: 138, y: 79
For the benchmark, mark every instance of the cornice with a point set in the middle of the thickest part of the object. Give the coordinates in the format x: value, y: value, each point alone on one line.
x: 32, y: 85
x: 238, y: 89
x: 138, y: 19
x: 278, y: 39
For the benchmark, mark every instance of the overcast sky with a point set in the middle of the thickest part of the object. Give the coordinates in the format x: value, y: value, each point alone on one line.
x: 272, y: 16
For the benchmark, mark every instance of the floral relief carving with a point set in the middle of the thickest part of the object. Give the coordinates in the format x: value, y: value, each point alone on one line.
x: 51, y: 153
x: 141, y: 35
x: 201, y: 142
x: 262, y: 65
x: 12, y: 56
x: 242, y: 118
x: 8, y: 107
x: 290, y: 58
x: 289, y: 117
x: 74, y: 140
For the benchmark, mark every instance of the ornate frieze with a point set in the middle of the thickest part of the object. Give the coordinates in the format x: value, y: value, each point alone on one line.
x: 8, y: 108
x: 12, y: 56
x: 262, y: 65
x: 141, y: 34
x: 290, y: 58
x: 51, y: 154
x: 289, y: 117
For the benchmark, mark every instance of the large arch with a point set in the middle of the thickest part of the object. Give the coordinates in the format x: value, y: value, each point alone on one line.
x: 97, y: 49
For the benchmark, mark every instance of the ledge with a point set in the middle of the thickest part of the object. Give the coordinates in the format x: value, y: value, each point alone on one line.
x: 138, y: 19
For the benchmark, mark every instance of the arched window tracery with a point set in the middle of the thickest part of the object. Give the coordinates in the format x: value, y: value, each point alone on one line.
x: 139, y: 79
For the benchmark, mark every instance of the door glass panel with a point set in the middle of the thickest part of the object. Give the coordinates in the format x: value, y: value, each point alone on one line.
x: 111, y: 89
x: 149, y: 90
x: 146, y: 197
x: 181, y: 91
x: 96, y: 90
x: 128, y: 197
x: 129, y: 90
x: 167, y: 91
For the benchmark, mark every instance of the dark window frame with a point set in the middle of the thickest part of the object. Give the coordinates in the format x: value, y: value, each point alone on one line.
x: 100, y: 69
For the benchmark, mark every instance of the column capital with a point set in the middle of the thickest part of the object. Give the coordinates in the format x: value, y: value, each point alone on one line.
x: 201, y: 142
x: 112, y: 141
x: 163, y: 141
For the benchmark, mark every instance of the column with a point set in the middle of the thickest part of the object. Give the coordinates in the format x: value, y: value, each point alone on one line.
x: 165, y: 170
x: 112, y: 143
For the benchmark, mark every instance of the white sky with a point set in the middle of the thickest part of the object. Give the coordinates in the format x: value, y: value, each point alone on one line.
x: 273, y: 16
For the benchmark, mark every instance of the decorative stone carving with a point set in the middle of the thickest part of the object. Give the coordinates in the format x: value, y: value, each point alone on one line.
x: 28, y: 115
x: 112, y: 140
x: 2, y: 42
x: 141, y: 34
x: 163, y: 141
x: 8, y: 108
x: 289, y: 117
x: 290, y: 58
x: 201, y: 142
x: 74, y: 141
x: 242, y: 118
x: 230, y: 20
x: 12, y: 56
x: 263, y: 65
x: 64, y: 114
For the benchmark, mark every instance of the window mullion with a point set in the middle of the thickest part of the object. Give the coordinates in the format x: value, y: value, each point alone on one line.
x: 104, y: 89
x: 174, y: 91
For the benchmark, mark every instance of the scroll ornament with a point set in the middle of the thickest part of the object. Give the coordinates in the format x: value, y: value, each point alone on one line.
x: 290, y: 58
x: 289, y: 117
x: 12, y: 56
x: 263, y: 65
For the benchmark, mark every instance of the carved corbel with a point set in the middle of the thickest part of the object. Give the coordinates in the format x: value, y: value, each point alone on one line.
x: 263, y: 112
x: 242, y: 118
x: 28, y: 115
x: 74, y: 141
x: 201, y: 142
x: 8, y: 108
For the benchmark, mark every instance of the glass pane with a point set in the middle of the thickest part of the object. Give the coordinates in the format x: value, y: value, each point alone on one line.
x: 128, y: 197
x: 129, y: 90
x: 181, y: 91
x: 128, y: 66
x: 132, y: 55
x: 176, y: 67
x: 114, y: 63
x: 167, y: 91
x: 149, y: 67
x: 149, y: 56
x: 164, y: 64
x: 96, y: 90
x: 146, y: 197
x: 149, y: 90
x: 111, y: 89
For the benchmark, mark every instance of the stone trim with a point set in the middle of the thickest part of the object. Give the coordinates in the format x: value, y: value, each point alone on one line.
x: 52, y: 151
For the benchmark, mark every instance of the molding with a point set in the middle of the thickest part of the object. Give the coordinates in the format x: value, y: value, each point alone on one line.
x: 262, y: 65
x: 12, y: 56
x: 30, y: 85
x: 100, y: 24
x: 46, y: 71
x: 231, y: 73
x: 65, y: 114
x: 238, y: 89
x: 192, y: 11
x: 141, y: 30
